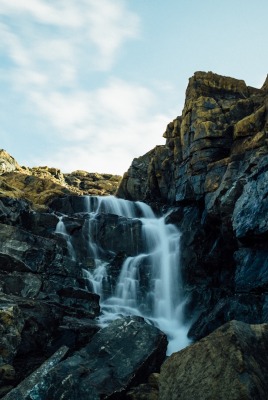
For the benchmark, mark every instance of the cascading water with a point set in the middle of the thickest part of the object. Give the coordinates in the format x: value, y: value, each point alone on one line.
x: 60, y: 229
x: 149, y: 283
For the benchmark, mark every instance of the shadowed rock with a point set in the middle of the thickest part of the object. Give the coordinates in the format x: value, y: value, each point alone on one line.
x: 124, y: 353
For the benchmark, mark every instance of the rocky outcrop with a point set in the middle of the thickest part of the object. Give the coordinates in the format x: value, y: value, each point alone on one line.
x: 228, y: 364
x: 223, y: 120
x: 7, y: 162
x: 212, y: 173
x: 41, y: 184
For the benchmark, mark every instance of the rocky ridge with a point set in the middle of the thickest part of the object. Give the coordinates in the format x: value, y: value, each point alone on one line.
x: 41, y: 184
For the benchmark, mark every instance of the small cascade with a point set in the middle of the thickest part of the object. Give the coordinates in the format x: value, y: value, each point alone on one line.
x: 163, y: 301
x: 61, y: 229
x: 113, y: 205
x: 148, y: 283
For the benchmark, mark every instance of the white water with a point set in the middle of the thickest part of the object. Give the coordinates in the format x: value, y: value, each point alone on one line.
x: 60, y: 229
x: 163, y: 302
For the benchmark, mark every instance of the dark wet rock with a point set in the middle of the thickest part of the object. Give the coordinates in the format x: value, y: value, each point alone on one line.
x: 252, y: 270
x: 243, y: 307
x: 32, y: 329
x: 21, y: 284
x: 75, y: 332
x: 118, y: 234
x: 250, y: 217
x: 11, y: 326
x: 230, y: 364
x: 69, y: 205
x: 27, y: 389
x: 39, y: 254
x: 122, y: 354
x: 145, y: 391
x: 80, y: 298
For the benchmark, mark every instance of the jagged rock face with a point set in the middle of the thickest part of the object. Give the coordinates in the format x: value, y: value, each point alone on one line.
x: 213, y: 172
x: 44, y: 301
x: 222, y: 119
x: 228, y: 364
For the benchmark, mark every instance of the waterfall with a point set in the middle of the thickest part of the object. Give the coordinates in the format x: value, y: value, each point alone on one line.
x: 149, y: 283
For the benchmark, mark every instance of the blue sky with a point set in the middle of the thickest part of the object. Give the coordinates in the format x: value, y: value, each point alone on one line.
x: 91, y: 84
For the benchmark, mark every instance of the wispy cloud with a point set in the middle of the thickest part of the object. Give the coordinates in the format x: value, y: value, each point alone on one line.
x: 48, y: 31
x: 52, y: 51
x: 105, y: 128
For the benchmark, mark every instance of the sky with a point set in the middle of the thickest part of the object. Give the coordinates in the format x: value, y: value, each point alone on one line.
x: 91, y: 84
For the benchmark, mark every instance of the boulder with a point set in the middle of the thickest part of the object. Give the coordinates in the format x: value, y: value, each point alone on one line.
x: 120, y: 355
x: 230, y: 363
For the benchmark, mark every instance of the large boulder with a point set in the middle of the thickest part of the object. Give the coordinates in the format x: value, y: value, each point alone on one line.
x: 230, y: 363
x: 118, y: 356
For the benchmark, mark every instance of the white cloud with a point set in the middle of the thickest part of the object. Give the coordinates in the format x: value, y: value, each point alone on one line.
x: 51, y: 49
x: 103, y: 24
x: 80, y: 115
x: 109, y: 152
x: 105, y: 128
x: 61, y: 13
x: 110, y: 25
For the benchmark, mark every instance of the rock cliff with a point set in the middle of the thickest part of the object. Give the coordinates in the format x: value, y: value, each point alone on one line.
x: 213, y: 173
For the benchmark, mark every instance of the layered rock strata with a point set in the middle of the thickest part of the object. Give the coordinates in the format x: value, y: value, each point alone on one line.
x: 212, y: 172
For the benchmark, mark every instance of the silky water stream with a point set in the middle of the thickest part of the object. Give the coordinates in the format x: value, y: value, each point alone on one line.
x: 149, y: 282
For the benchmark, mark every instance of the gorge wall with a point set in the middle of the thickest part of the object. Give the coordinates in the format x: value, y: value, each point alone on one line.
x: 213, y: 173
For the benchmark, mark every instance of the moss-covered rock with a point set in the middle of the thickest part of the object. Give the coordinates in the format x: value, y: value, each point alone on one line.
x: 40, y: 185
x: 230, y: 363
